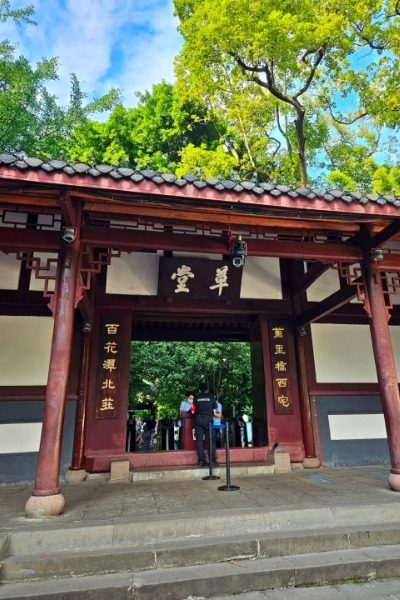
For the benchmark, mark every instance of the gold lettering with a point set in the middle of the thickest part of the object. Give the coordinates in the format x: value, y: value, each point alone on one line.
x: 281, y: 366
x: 279, y: 349
x: 112, y: 328
x: 283, y: 401
x: 111, y: 348
x: 278, y: 332
x: 108, y: 384
x: 109, y: 364
x: 107, y: 404
x: 282, y: 383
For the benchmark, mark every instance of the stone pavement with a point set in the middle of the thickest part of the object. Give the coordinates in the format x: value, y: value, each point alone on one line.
x: 323, y: 494
x: 374, y: 590
x: 169, y: 539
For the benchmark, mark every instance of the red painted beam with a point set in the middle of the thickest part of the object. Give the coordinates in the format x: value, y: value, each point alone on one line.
x: 12, y: 240
x: 135, y: 240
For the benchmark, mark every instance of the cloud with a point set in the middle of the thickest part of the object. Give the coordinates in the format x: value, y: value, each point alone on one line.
x: 130, y: 45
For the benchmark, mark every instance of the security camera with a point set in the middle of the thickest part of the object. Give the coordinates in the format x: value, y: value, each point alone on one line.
x: 68, y: 234
x: 238, y: 252
x: 238, y: 261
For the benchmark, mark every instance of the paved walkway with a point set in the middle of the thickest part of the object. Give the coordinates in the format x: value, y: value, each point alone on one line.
x: 364, y: 490
x: 375, y: 590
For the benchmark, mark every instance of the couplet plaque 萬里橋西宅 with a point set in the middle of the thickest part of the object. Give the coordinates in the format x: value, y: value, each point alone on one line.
x: 281, y: 366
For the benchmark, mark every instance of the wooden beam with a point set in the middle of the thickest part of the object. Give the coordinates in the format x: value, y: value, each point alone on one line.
x: 125, y: 239
x: 14, y: 240
x: 160, y: 307
x: 327, y: 306
x: 384, y: 235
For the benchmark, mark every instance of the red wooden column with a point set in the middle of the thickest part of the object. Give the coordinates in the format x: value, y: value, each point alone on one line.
x: 311, y: 461
x: 385, y: 365
x: 46, y: 498
x: 77, y: 472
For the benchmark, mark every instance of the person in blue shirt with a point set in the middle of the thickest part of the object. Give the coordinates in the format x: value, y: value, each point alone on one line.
x: 217, y: 421
x: 186, y: 404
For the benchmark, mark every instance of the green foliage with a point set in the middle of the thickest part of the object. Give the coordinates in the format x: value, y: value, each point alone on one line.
x: 153, y: 133
x: 205, y: 163
x: 167, y: 371
x: 21, y: 15
x: 31, y: 120
x: 278, y: 72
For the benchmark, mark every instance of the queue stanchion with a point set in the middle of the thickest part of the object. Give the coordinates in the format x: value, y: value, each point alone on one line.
x: 210, y: 454
x: 228, y: 487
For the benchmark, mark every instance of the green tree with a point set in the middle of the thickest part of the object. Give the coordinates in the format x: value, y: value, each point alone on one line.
x: 153, y: 133
x: 167, y: 371
x: 297, y: 62
x: 31, y: 119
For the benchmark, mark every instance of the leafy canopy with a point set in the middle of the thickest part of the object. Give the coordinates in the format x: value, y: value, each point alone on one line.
x: 167, y: 371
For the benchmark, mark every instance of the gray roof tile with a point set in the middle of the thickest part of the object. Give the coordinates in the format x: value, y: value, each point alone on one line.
x: 104, y: 169
x: 68, y: 170
x: 137, y: 177
x: 33, y: 162
x: 148, y: 173
x: 58, y: 165
x: 125, y: 171
x: 169, y: 177
x: 7, y: 159
x: 22, y: 162
x: 189, y: 178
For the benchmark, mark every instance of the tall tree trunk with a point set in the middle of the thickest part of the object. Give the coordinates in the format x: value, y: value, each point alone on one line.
x: 301, y: 145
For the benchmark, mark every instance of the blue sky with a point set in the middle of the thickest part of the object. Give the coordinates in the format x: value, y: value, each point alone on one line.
x: 129, y: 44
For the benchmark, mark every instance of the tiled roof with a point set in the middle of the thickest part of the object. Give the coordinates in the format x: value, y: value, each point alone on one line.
x: 136, y: 176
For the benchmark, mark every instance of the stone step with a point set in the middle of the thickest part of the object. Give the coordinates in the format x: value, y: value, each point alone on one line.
x: 192, y: 472
x: 206, y: 581
x: 56, y: 536
x: 189, y: 552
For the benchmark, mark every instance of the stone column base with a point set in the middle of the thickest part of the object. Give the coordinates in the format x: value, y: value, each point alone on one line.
x: 45, y: 506
x: 75, y: 475
x: 311, y: 463
x: 394, y: 482
x: 282, y: 462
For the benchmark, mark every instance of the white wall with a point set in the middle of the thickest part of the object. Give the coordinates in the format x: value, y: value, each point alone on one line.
x: 367, y: 426
x: 9, y: 271
x: 19, y: 437
x: 343, y: 353
x: 261, y: 278
x: 324, y: 286
x: 25, y: 350
x: 134, y: 273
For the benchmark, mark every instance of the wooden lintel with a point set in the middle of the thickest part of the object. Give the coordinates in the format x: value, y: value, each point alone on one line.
x: 12, y: 240
x: 162, y: 306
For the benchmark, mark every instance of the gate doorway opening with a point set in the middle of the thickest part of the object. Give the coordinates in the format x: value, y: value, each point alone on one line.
x: 163, y: 373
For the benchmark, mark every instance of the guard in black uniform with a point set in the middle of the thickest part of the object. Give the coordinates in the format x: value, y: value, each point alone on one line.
x: 205, y: 409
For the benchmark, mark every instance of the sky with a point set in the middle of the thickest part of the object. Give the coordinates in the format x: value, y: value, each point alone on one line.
x: 127, y: 44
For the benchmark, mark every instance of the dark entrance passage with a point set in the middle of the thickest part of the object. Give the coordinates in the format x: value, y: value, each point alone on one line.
x: 169, y: 358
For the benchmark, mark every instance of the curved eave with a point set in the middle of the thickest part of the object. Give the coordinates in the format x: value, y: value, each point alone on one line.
x: 207, y: 195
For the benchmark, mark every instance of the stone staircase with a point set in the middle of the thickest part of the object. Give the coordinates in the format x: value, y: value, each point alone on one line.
x: 182, y: 558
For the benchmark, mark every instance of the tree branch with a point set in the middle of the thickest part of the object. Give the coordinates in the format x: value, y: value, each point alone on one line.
x: 281, y: 130
x: 320, y: 56
x: 349, y: 122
